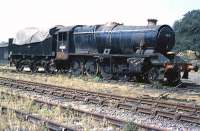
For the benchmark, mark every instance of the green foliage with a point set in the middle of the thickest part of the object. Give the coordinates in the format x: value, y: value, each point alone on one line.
x: 130, y: 126
x: 187, y: 31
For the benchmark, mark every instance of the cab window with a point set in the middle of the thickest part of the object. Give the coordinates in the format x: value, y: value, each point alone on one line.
x: 62, y: 36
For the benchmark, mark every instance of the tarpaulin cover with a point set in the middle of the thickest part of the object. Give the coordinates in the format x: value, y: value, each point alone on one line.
x: 30, y: 35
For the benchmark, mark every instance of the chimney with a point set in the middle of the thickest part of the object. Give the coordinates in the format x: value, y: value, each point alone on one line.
x: 152, y: 22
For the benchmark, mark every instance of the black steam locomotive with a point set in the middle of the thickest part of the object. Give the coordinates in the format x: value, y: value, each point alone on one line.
x: 113, y: 51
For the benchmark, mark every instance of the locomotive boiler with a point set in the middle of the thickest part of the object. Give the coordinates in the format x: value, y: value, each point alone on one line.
x: 120, y: 39
x: 112, y: 51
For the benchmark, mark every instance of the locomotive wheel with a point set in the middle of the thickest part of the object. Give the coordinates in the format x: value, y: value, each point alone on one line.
x: 123, y: 78
x: 76, y: 68
x: 152, y: 75
x: 33, y: 68
x: 90, y: 68
x: 173, y: 75
x: 139, y: 78
x: 49, y: 69
x: 19, y: 67
x: 120, y: 72
x: 106, y: 72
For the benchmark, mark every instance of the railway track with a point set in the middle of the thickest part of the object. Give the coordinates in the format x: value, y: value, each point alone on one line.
x: 154, y: 107
x: 53, y: 125
x: 180, y: 85
x: 50, y: 125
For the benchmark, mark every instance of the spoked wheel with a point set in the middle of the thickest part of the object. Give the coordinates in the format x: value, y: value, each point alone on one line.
x: 76, y: 68
x: 90, y: 68
x: 139, y: 78
x: 49, y: 68
x: 62, y: 68
x: 121, y: 72
x: 106, y: 72
x: 173, y: 75
x: 33, y: 68
x: 123, y: 77
x: 152, y: 75
x: 19, y: 67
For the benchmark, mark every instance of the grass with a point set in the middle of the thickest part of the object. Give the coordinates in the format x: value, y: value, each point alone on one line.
x: 130, y: 127
x: 95, y: 84
x: 66, y: 117
x: 9, y: 122
x: 92, y: 84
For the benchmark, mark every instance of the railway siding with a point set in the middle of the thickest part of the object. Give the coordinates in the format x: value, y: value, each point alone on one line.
x: 175, y: 111
x: 53, y: 125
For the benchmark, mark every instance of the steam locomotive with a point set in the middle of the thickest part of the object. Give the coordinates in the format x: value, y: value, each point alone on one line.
x: 112, y: 51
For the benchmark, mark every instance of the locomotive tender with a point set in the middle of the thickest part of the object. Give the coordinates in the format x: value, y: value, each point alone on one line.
x: 113, y: 51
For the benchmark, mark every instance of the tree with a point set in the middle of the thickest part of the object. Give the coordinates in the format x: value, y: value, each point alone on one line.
x: 187, y: 32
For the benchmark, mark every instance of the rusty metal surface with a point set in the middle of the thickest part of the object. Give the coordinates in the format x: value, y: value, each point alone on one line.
x: 61, y: 55
x: 176, y: 111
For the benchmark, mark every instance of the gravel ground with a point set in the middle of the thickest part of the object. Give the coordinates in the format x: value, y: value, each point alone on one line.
x: 187, y: 95
x: 74, y: 121
x: 132, y: 89
x: 9, y: 122
x: 118, y: 113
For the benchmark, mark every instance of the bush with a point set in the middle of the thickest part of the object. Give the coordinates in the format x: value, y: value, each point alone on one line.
x: 130, y: 126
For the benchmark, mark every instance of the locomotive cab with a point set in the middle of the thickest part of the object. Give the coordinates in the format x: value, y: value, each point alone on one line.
x: 62, y: 39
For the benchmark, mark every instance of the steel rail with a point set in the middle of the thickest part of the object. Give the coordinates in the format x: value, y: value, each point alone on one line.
x: 176, y: 111
x: 50, y: 125
x: 99, y: 117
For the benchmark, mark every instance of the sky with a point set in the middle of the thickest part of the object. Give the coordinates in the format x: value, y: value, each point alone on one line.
x: 16, y: 15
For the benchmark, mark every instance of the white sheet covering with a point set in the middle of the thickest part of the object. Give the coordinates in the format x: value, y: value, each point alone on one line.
x: 30, y: 35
